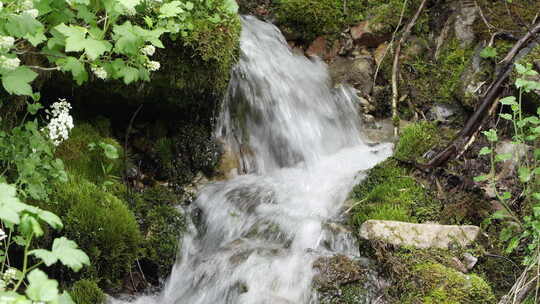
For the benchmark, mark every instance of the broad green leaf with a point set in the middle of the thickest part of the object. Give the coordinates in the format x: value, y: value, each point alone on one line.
x: 65, y: 251
x: 499, y: 215
x: 231, y: 6
x: 11, y: 297
x: 22, y: 25
x: 65, y: 298
x: 10, y: 205
x: 29, y: 225
x: 503, y: 157
x: 40, y: 287
x: 524, y: 174
x: 18, y: 81
x: 75, y: 37
x: 506, y: 116
x: 37, y: 38
x: 129, y: 5
x: 506, y: 195
x: 50, y: 218
x: 491, y: 135
x: 484, y: 151
x: 480, y: 178
x: 95, y: 48
x: 488, y: 52
x: 170, y: 9
x: 509, y: 100
x: 33, y: 108
x: 76, y: 67
x: 129, y: 74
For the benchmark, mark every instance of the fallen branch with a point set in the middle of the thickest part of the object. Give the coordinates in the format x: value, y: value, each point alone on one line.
x: 395, y: 66
x: 480, y: 115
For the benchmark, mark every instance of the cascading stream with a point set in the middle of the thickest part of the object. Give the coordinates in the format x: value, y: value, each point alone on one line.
x: 257, y: 235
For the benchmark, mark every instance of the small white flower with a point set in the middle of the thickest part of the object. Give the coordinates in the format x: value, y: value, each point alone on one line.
x: 2, y: 235
x: 153, y: 65
x: 6, y: 42
x: 61, y: 122
x: 148, y: 50
x: 27, y: 5
x: 100, y: 72
x: 32, y: 12
x: 9, y: 63
x: 10, y: 275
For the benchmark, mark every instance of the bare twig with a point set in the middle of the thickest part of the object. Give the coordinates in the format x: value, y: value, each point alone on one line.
x: 395, y: 66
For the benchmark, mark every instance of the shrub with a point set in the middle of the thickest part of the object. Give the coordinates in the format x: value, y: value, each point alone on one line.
x: 87, y: 292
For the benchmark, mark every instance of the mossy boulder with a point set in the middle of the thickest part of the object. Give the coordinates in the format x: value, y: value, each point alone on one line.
x: 309, y: 19
x: 162, y: 226
x: 436, y: 283
x: 390, y: 193
x: 415, y: 140
x: 79, y: 156
x: 87, y: 292
x: 102, y: 225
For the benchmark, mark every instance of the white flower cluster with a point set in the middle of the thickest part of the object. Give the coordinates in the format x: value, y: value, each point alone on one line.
x: 148, y: 50
x: 9, y: 63
x: 10, y: 275
x: 2, y: 235
x: 6, y: 42
x: 100, y: 72
x: 153, y: 65
x: 61, y: 122
x: 27, y: 4
x: 32, y: 13
x: 28, y: 8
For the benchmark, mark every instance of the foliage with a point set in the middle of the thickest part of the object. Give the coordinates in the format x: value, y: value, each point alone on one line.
x: 23, y: 223
x: 87, y: 292
x: 389, y: 193
x: 114, y: 39
x: 102, y: 225
x: 518, y: 230
x: 313, y: 18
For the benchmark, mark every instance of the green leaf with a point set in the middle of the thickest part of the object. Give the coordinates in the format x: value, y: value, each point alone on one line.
x: 231, y: 6
x: 129, y: 5
x: 506, y: 195
x: 75, y: 37
x: 95, y: 48
x: 484, y: 151
x: 76, y: 67
x: 110, y: 151
x: 10, y: 205
x: 40, y: 287
x: 506, y: 116
x: 524, y: 174
x: 499, y: 215
x: 170, y: 9
x: 29, y: 225
x: 64, y: 250
x: 50, y: 218
x: 509, y: 100
x: 480, y: 178
x: 18, y: 81
x: 491, y: 135
x: 503, y: 157
x: 37, y: 38
x: 488, y: 52
x: 33, y: 108
x: 21, y: 25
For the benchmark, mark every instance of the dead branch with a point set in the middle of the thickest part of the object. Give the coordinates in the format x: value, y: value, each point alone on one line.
x: 480, y: 115
x: 395, y: 66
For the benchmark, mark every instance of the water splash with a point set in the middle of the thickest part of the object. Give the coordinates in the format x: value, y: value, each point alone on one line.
x: 299, y: 141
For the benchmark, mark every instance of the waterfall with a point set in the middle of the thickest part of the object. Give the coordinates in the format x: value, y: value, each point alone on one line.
x: 257, y: 235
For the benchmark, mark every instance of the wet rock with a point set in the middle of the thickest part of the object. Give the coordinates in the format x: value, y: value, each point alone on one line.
x: 324, y: 49
x: 518, y: 152
x: 364, y: 34
x: 442, y: 112
x: 419, y: 235
x: 474, y: 80
x: 357, y: 72
x: 469, y: 260
x: 463, y: 26
x: 337, y: 270
x: 380, y: 52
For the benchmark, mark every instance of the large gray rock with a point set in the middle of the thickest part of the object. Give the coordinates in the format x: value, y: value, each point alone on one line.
x: 419, y: 235
x: 357, y: 72
x: 468, y: 12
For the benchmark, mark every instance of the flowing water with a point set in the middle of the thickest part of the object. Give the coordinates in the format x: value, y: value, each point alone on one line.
x: 257, y: 235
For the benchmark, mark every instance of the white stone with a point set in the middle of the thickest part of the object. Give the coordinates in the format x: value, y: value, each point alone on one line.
x: 419, y: 235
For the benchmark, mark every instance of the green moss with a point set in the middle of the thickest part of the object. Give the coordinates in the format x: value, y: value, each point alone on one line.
x: 310, y: 19
x: 87, y: 292
x: 386, y: 14
x: 79, y: 158
x: 435, y: 283
x: 102, y: 225
x: 162, y: 225
x: 439, y: 80
x: 390, y: 193
x: 415, y: 140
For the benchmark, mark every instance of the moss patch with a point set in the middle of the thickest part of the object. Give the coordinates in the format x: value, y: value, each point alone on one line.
x: 415, y: 140
x: 390, y: 193
x: 86, y: 162
x: 87, y: 292
x: 310, y: 19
